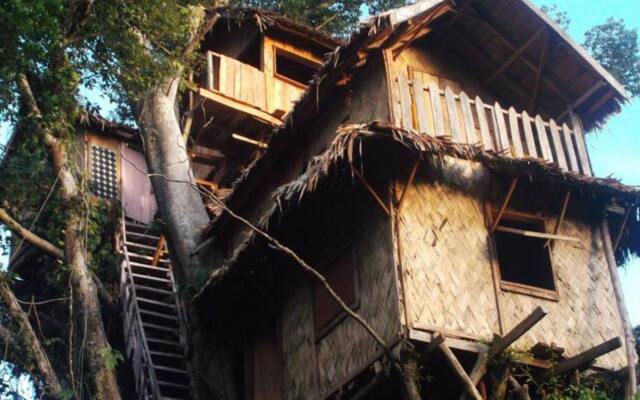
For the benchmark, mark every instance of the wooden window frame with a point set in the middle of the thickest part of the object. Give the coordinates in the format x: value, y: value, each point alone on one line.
x: 321, y: 333
x: 514, y: 287
x: 277, y: 50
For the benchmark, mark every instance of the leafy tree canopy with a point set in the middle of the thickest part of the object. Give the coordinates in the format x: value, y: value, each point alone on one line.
x: 338, y: 17
x: 616, y: 47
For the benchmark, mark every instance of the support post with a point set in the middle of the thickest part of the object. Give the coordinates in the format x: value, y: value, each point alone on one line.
x: 622, y: 309
x: 461, y: 374
x: 583, y: 358
x: 505, y: 203
x: 373, y: 192
x: 412, y: 176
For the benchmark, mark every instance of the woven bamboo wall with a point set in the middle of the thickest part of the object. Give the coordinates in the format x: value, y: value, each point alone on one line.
x: 319, y: 367
x: 448, y: 273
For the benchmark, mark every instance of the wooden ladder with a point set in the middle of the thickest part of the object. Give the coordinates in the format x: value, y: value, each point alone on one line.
x: 153, y: 317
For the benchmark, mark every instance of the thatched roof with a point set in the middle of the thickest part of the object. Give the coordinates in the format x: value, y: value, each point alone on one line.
x: 352, y: 142
x: 269, y: 20
x: 394, y: 26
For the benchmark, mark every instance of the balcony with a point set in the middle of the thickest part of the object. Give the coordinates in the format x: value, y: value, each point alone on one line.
x: 262, y: 95
x: 429, y: 109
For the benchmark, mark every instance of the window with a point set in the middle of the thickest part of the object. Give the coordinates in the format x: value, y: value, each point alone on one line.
x: 523, y: 260
x: 104, y: 180
x: 294, y: 68
x: 341, y: 275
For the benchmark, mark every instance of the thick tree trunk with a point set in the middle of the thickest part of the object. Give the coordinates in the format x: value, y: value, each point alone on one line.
x: 181, y: 206
x: 32, y: 345
x: 86, y: 293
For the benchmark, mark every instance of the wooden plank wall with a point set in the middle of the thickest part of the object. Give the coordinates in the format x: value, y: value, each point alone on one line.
x: 448, y: 272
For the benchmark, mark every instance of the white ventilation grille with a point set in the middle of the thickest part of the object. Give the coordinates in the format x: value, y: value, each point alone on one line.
x: 104, y: 181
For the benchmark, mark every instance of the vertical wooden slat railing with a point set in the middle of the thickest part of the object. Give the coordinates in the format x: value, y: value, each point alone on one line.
x: 236, y: 80
x: 430, y: 110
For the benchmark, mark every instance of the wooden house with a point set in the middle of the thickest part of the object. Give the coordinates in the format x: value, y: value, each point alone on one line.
x: 435, y: 174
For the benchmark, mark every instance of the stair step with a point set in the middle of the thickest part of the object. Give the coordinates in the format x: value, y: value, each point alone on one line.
x: 164, y: 341
x: 159, y: 315
x: 140, y: 246
x: 156, y: 302
x: 164, y: 354
x: 148, y: 266
x: 160, y: 327
x: 151, y: 278
x: 169, y: 369
x: 154, y: 290
x: 143, y: 235
x: 176, y: 385
x: 150, y: 258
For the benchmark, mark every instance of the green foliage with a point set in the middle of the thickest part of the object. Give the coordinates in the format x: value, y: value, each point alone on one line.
x: 616, y: 47
x: 558, y: 16
x: 110, y: 357
x: 338, y: 17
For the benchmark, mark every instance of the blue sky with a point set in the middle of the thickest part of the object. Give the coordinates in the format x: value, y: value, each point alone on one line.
x: 615, y: 150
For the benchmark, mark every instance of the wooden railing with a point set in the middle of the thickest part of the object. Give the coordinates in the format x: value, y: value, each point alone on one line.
x: 249, y: 85
x: 236, y: 80
x: 428, y: 109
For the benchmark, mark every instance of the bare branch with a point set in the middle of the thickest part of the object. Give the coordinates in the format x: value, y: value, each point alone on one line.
x: 29, y: 236
x: 30, y: 339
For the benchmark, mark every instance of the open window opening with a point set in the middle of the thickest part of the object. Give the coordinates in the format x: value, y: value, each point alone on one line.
x: 341, y: 276
x: 524, y: 259
x: 294, y: 68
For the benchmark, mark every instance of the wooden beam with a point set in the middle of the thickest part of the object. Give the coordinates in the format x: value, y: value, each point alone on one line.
x: 581, y: 100
x: 159, y: 251
x: 516, y: 55
x: 500, y: 343
x: 436, y: 340
x: 583, y: 358
x: 539, y: 73
x: 622, y: 308
x: 240, y: 106
x: 505, y: 203
x: 412, y: 176
x: 517, y: 331
x: 541, y: 235
x: 560, y: 220
x: 512, y: 47
x: 461, y: 374
x: 248, y: 140
x: 373, y: 192
x: 621, y: 230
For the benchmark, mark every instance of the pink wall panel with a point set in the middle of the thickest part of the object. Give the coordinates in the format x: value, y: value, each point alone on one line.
x: 137, y: 193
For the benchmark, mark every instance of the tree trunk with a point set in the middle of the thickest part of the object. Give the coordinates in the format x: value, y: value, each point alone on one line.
x: 33, y: 346
x: 97, y: 346
x: 181, y: 206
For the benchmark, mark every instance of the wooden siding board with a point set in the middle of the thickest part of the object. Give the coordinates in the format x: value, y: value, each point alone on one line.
x: 514, y: 132
x: 436, y: 107
x: 421, y: 106
x: 484, y: 125
x: 405, y: 102
x: 467, y: 117
x: 528, y: 135
x: 557, y: 145
x: 568, y: 141
x: 454, y: 120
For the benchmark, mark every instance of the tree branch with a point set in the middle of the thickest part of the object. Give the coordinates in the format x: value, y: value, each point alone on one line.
x: 30, y: 339
x: 29, y: 236
x: 77, y: 18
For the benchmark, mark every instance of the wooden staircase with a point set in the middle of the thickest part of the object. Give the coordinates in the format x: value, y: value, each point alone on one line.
x: 153, y: 318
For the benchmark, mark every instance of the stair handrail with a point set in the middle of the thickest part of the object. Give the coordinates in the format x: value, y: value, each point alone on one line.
x: 146, y: 355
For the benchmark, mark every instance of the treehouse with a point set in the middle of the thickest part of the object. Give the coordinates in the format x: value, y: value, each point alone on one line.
x: 255, y: 66
x: 435, y: 174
